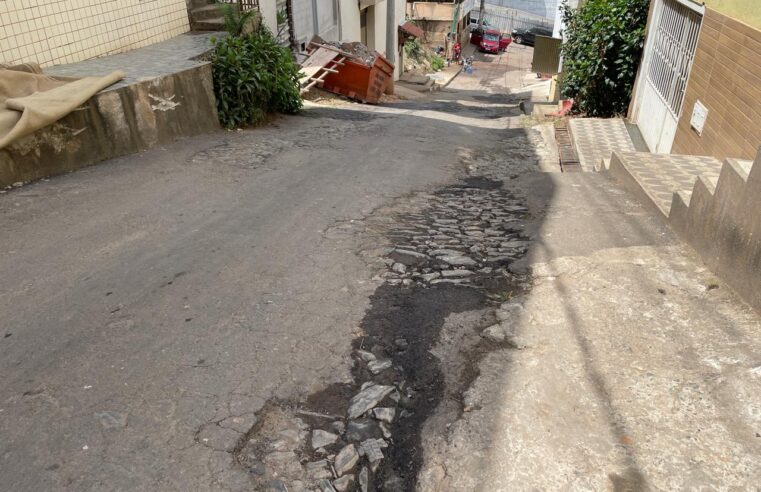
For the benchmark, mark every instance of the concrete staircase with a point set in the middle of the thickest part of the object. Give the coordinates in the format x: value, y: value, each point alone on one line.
x: 714, y: 206
x: 205, y: 15
x: 721, y: 219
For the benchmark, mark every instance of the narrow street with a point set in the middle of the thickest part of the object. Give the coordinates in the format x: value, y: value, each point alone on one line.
x: 231, y: 312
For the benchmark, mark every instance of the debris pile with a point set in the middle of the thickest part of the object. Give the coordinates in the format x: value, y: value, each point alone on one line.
x: 468, y: 233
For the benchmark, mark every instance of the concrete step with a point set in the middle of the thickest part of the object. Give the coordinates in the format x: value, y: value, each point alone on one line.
x: 205, y: 13
x: 719, y: 219
x: 215, y: 24
x: 200, y: 3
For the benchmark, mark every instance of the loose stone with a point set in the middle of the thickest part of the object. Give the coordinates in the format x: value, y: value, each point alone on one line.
x: 407, y: 257
x: 367, y: 399
x: 344, y: 483
x: 495, y: 333
x: 458, y: 260
x: 378, y: 366
x: 456, y: 273
x: 346, y: 460
x: 363, y: 479
x: 399, y: 268
x: 321, y: 438
x: 366, y: 356
x: 384, y: 414
x: 326, y: 486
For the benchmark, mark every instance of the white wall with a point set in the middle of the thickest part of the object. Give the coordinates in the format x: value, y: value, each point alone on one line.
x: 268, y: 9
x: 349, y: 20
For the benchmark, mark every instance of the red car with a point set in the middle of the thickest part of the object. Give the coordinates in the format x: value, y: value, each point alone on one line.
x: 490, y: 40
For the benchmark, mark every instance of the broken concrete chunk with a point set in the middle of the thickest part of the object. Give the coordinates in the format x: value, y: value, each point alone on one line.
x: 378, y: 366
x: 346, y: 460
x: 385, y: 414
x: 372, y: 449
x: 367, y: 399
x: 399, y: 268
x: 321, y: 438
x: 365, y: 355
x: 344, y: 483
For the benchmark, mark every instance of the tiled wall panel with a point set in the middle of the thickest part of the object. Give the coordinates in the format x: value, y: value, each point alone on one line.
x: 51, y: 32
x: 726, y: 78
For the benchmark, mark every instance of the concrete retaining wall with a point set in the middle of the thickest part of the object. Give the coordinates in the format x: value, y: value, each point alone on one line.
x: 115, y: 123
x: 721, y: 221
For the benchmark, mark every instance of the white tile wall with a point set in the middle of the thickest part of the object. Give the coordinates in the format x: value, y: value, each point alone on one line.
x: 51, y: 32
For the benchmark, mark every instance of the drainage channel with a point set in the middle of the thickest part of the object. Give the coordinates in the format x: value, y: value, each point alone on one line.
x: 569, y: 160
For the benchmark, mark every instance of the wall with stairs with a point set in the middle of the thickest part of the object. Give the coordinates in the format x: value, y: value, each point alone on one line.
x: 205, y: 15
x: 713, y: 205
x: 721, y: 219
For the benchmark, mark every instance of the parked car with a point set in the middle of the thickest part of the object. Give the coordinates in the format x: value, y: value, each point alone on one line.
x: 489, y: 40
x: 527, y: 36
x: 474, y: 24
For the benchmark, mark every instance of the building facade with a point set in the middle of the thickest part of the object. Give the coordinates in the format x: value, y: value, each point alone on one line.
x: 698, y: 88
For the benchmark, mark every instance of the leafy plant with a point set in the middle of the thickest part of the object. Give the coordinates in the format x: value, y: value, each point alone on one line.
x: 604, y: 42
x: 253, y: 76
x: 413, y: 49
x: 236, y: 22
x: 437, y: 62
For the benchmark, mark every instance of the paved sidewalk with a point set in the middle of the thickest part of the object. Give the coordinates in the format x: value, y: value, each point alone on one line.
x: 157, y: 60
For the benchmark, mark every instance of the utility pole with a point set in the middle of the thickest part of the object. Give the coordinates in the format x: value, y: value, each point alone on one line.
x: 481, y: 14
x: 391, y: 29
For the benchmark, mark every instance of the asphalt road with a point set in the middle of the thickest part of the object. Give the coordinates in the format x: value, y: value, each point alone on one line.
x: 160, y: 312
x: 151, y: 304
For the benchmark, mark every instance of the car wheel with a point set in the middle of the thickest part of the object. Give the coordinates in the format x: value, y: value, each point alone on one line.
x: 519, y: 39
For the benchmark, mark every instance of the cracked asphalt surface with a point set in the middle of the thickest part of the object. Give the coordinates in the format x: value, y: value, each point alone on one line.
x: 150, y: 305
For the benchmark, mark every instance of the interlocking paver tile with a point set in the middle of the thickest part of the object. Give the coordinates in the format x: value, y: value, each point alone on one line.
x: 596, y: 139
x: 661, y: 175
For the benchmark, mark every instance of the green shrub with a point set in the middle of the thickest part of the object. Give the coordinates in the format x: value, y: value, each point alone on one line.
x: 413, y: 49
x: 437, y: 62
x: 604, y: 41
x: 253, y: 76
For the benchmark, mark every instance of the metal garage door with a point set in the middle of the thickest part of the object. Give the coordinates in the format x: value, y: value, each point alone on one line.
x: 669, y: 53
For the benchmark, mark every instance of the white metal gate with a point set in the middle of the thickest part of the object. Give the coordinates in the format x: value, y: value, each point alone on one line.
x: 669, y: 53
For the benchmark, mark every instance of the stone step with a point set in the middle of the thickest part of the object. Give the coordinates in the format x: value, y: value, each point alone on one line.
x: 205, y: 13
x: 193, y: 4
x: 215, y: 24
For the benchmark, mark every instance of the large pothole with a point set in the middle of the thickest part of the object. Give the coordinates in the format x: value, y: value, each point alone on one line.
x: 447, y: 256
